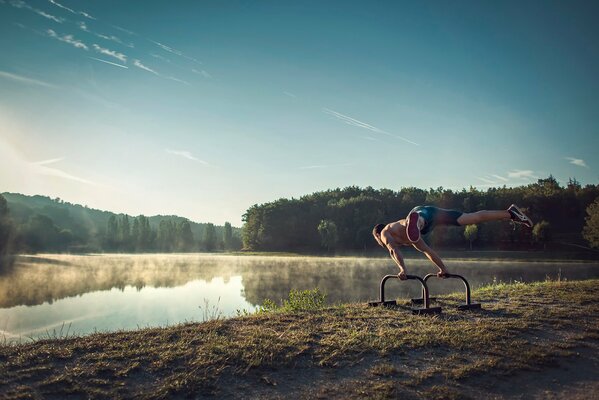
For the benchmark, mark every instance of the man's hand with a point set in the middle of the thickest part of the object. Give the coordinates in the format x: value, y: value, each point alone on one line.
x: 442, y: 274
x: 402, y: 275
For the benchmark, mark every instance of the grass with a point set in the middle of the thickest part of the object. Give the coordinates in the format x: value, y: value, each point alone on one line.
x: 303, y: 349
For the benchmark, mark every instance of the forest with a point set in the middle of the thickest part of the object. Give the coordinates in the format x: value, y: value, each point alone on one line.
x: 31, y: 224
x: 342, y: 219
x: 335, y: 221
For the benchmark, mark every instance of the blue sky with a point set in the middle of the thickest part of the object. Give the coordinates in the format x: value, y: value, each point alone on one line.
x: 203, y: 108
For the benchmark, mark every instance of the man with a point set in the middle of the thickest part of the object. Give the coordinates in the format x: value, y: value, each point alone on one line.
x: 422, y: 219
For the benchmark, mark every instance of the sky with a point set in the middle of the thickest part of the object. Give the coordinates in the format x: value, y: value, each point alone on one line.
x: 204, y: 108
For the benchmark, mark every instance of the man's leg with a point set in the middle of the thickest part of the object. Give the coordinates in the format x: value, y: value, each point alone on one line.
x: 484, y: 216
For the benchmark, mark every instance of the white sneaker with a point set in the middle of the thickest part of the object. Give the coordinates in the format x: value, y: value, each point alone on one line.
x: 518, y: 216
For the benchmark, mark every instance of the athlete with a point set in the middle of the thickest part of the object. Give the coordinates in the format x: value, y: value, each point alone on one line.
x: 422, y: 219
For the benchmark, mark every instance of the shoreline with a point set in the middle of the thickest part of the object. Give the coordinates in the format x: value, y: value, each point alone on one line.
x: 526, y: 333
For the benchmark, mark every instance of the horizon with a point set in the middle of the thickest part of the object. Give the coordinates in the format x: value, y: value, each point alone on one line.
x: 201, y: 110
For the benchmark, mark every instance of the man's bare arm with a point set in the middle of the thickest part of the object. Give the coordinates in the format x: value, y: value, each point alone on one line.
x: 422, y: 247
x: 397, y: 257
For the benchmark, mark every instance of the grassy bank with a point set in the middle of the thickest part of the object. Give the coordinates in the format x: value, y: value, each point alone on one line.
x: 530, y: 340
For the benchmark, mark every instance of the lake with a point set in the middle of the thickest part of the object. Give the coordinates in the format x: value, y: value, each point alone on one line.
x: 45, y: 294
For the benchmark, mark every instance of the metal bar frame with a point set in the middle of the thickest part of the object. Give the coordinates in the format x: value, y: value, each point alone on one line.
x: 468, y: 305
x: 425, y: 295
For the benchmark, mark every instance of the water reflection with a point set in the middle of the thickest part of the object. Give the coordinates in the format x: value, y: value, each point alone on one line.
x: 110, y: 292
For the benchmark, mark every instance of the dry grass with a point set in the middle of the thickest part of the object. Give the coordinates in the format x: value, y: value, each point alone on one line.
x: 367, y: 352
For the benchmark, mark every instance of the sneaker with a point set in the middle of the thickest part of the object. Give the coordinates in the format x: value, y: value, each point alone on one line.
x: 518, y: 216
x: 412, y: 229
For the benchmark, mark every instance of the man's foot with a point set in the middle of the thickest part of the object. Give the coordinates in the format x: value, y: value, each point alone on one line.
x: 412, y: 229
x: 518, y: 216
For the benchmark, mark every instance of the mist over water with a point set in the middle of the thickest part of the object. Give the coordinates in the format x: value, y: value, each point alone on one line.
x: 112, y: 292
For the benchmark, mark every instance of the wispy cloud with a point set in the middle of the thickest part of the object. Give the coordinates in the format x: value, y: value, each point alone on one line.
x: 577, y: 161
x: 486, y: 180
x: 24, y: 79
x: 289, y: 94
x: 111, y: 53
x: 115, y: 39
x: 23, y: 5
x: 138, y: 64
x: 515, y: 177
x: 108, y: 62
x: 125, y: 30
x: 185, y: 154
x: 501, y: 178
x: 522, y: 174
x: 86, y: 15
x: 41, y: 168
x: 354, y: 122
x: 158, y: 56
x: 57, y: 4
x: 175, y: 51
x: 172, y: 78
x: 167, y: 48
x: 202, y: 72
x: 50, y: 161
x: 70, y: 39
x: 83, y: 26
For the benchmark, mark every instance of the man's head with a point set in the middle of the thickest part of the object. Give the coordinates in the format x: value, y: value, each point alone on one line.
x: 376, y: 232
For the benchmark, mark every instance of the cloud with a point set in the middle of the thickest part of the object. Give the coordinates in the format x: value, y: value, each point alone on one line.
x: 501, y: 178
x: 115, y: 39
x: 125, y: 30
x: 167, y: 48
x: 162, y: 58
x: 57, y: 4
x: 172, y: 78
x: 23, y: 5
x: 86, y: 15
x: 40, y: 168
x: 577, y: 161
x: 70, y: 39
x: 108, y: 62
x: 82, y: 25
x: 185, y: 154
x: 489, y: 181
x: 202, y: 72
x: 175, y: 51
x: 111, y: 53
x: 354, y: 122
x: 138, y: 64
x: 289, y: 94
x: 63, y: 7
x: 50, y: 161
x: 521, y: 174
x: 24, y: 79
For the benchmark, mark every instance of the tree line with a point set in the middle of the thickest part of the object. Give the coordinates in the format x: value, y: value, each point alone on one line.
x: 30, y: 224
x: 342, y: 219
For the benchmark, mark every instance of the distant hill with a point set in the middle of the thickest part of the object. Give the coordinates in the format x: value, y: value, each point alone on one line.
x: 85, y: 227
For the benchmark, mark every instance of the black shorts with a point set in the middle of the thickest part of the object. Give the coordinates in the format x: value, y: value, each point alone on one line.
x: 436, y: 216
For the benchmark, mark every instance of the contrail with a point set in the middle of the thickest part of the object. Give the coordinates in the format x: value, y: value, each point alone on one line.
x: 108, y: 62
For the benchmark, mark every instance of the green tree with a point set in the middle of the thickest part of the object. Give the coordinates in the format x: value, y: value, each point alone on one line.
x: 471, y: 233
x: 124, y: 233
x: 228, y: 236
x: 166, y: 236
x: 184, y: 236
x: 112, y: 232
x: 135, y: 237
x: 591, y: 229
x: 6, y: 232
x: 541, y: 233
x: 328, y: 234
x: 209, y: 237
